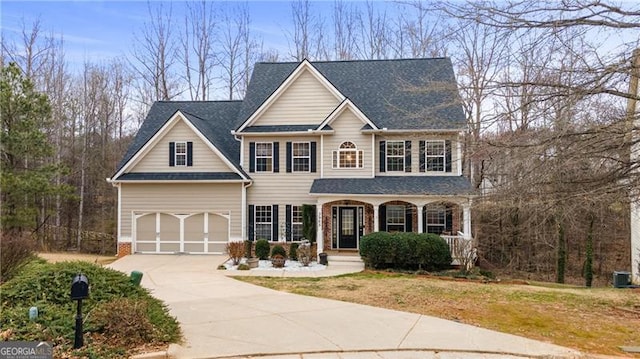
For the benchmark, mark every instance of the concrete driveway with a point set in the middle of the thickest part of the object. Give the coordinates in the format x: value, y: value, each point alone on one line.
x: 223, y: 318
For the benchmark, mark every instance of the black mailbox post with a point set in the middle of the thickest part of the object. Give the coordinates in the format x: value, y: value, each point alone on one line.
x: 79, y: 291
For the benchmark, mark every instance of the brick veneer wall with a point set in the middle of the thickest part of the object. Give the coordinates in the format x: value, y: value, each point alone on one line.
x: 124, y: 249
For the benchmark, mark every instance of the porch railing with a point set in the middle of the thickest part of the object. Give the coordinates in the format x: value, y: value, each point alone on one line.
x: 462, y: 251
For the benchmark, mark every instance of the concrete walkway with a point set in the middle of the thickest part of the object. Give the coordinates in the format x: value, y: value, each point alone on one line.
x: 225, y: 318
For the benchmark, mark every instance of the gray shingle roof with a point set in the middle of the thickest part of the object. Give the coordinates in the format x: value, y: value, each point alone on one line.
x: 394, y: 185
x: 396, y: 94
x: 179, y: 176
x: 215, y: 119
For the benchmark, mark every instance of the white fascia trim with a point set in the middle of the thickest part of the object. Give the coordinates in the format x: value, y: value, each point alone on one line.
x: 401, y: 131
x: 340, y: 109
x: 297, y: 133
x: 304, y: 65
x: 183, y: 181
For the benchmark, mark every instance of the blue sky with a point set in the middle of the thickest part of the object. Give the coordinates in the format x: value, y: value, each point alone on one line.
x: 95, y: 30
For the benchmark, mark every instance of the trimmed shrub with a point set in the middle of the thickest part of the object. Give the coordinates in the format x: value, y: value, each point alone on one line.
x: 376, y: 249
x: 243, y: 266
x: 262, y: 249
x: 124, y: 321
x: 405, y: 251
x: 293, y: 251
x: 236, y: 251
x: 278, y: 250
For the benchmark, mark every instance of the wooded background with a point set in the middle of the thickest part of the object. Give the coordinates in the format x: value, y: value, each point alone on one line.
x: 545, y: 86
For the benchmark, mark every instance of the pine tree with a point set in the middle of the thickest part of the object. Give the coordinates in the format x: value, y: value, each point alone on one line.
x: 25, y: 181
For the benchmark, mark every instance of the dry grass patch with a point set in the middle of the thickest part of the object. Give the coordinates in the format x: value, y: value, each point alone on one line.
x: 597, y: 320
x: 54, y: 257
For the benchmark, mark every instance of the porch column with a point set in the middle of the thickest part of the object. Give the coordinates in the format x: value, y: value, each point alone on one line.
x: 420, y: 214
x: 319, y: 231
x: 376, y: 221
x: 466, y: 217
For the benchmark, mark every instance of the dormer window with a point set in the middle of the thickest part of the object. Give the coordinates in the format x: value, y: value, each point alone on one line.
x: 348, y: 156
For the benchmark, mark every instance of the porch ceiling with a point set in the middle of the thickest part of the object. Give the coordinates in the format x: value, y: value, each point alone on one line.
x: 394, y: 185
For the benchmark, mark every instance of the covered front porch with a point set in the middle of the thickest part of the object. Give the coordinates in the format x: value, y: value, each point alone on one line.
x: 349, y: 208
x: 343, y: 221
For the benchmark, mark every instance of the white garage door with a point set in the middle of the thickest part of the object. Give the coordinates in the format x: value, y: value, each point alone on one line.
x: 158, y: 232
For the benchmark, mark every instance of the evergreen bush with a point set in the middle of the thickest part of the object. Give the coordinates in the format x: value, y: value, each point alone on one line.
x: 293, y: 251
x: 405, y: 251
x: 262, y: 249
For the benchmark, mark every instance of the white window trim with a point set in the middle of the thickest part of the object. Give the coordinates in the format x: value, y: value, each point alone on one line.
x: 444, y: 156
x: 336, y: 154
x: 256, y: 223
x: 255, y: 159
x: 293, y: 156
x: 386, y: 156
x: 444, y: 218
x: 293, y: 207
x: 176, y: 154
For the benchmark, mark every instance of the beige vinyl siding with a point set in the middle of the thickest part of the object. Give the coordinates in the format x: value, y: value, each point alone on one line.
x: 157, y: 158
x: 182, y: 198
x: 281, y: 188
x: 415, y: 153
x: 305, y: 101
x: 347, y: 128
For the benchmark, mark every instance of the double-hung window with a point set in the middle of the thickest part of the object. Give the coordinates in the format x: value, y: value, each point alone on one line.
x: 396, y: 218
x: 181, y: 153
x: 395, y: 156
x: 264, y: 157
x: 435, y: 156
x: 301, y: 156
x: 348, y: 156
x: 296, y: 223
x: 436, y: 219
x: 263, y: 222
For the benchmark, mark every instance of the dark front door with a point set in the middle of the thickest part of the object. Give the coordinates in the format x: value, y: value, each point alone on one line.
x: 348, y: 232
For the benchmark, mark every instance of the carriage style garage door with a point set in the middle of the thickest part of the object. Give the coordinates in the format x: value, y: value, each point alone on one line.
x: 158, y: 232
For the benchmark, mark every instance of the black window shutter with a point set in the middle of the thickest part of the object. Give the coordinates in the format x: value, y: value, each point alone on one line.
x: 408, y: 224
x: 383, y: 156
x: 276, y: 157
x: 274, y: 222
x: 407, y: 156
x: 382, y: 218
x: 250, y: 222
x: 422, y: 154
x: 424, y: 219
x: 313, y: 156
x: 287, y: 224
x: 189, y: 154
x: 252, y: 157
x: 449, y: 220
x: 172, y: 154
x: 447, y: 155
x: 289, y: 157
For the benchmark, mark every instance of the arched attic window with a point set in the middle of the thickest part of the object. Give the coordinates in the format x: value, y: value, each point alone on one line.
x: 348, y: 156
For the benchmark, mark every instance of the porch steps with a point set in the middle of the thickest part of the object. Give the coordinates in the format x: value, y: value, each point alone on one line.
x: 350, y: 260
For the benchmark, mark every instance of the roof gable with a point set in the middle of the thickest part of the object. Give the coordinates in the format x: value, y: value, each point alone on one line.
x: 211, y: 121
x: 346, y: 105
x: 304, y: 88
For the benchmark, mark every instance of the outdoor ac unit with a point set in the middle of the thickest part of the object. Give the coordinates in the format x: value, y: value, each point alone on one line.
x: 621, y: 279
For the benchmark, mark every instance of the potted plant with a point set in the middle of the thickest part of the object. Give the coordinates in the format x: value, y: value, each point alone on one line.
x: 278, y: 256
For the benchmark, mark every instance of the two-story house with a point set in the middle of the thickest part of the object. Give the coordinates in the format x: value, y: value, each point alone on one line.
x: 374, y: 145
